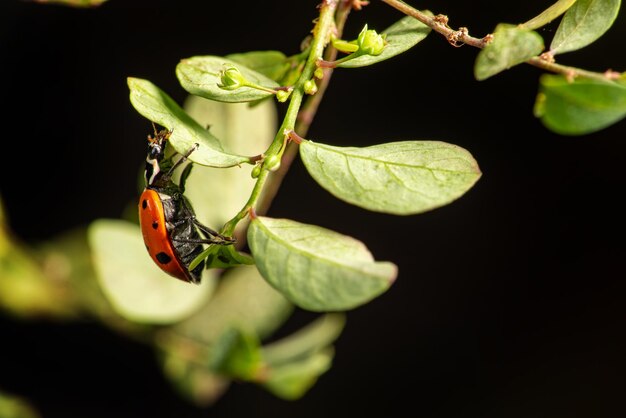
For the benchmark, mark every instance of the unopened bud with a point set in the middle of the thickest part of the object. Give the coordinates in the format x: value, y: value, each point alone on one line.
x: 231, y: 79
x: 370, y: 42
x: 310, y: 87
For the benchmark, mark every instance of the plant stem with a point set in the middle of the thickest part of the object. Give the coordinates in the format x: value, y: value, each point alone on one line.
x: 305, y: 116
x: 321, y: 33
x: 460, y: 37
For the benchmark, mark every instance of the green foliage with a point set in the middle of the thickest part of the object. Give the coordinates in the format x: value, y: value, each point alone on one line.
x: 137, y: 289
x: 74, y: 3
x: 548, y: 15
x: 155, y: 105
x: 209, y: 335
x: 399, y: 37
x: 511, y: 46
x: 272, y: 64
x: 401, y: 178
x: 15, y: 407
x: 580, y: 107
x: 296, y: 362
x: 584, y: 23
x: 202, y: 76
x: 316, y: 268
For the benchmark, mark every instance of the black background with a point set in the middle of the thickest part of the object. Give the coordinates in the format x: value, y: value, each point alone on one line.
x: 509, y: 302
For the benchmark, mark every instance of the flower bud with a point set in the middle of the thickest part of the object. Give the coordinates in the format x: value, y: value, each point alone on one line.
x: 310, y: 87
x: 256, y: 171
x: 370, y: 42
x: 283, y: 95
x: 231, y: 79
x: 272, y: 163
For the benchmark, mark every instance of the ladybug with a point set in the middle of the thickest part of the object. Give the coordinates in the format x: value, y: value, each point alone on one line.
x: 171, y: 232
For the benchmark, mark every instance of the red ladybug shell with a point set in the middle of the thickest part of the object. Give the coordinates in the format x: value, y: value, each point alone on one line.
x: 155, y: 235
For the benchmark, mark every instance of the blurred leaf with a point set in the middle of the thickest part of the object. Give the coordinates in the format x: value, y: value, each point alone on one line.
x: 510, y: 46
x: 24, y: 289
x: 157, y: 106
x: 137, y: 289
x: 401, y: 178
x: 315, y: 337
x: 316, y: 268
x: 548, y: 15
x: 73, y: 3
x: 579, y: 107
x: 401, y: 36
x: 218, y: 194
x: 292, y: 380
x: 195, y: 382
x: 244, y: 305
x: 237, y: 354
x: 67, y: 259
x: 242, y: 300
x: 272, y: 64
x: 15, y: 407
x: 584, y: 23
x: 201, y: 76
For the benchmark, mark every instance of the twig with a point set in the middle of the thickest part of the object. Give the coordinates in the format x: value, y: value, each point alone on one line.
x: 461, y: 37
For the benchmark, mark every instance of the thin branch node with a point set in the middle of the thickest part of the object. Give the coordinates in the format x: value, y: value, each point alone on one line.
x: 441, y: 20
x: 358, y: 4
x: 457, y: 38
x: 547, y: 56
x: 487, y: 39
x: 612, y: 75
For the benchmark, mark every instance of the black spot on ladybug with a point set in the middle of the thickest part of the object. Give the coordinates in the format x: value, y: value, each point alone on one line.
x: 163, y: 258
x: 144, y: 204
x: 155, y: 225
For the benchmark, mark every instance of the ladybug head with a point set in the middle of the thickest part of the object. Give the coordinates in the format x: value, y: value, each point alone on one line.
x: 156, y: 154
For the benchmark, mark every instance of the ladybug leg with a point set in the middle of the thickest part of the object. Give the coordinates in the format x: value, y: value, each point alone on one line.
x: 203, y: 241
x: 209, y: 231
x: 182, y: 159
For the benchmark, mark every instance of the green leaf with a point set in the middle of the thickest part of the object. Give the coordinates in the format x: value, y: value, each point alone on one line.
x: 15, y: 407
x: 510, y: 46
x: 237, y: 354
x: 548, y: 15
x: 314, y: 337
x: 292, y: 380
x: 401, y: 36
x: 585, y: 22
x: 579, y: 107
x: 137, y: 289
x: 218, y: 194
x: 24, y: 289
x: 157, y: 106
x: 201, y: 76
x: 315, y: 268
x: 74, y: 3
x: 243, y: 300
x: 272, y: 64
x: 401, y: 178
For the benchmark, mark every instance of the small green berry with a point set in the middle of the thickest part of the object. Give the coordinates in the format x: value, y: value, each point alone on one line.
x: 282, y: 95
x: 310, y: 87
x: 272, y: 163
x: 256, y: 171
